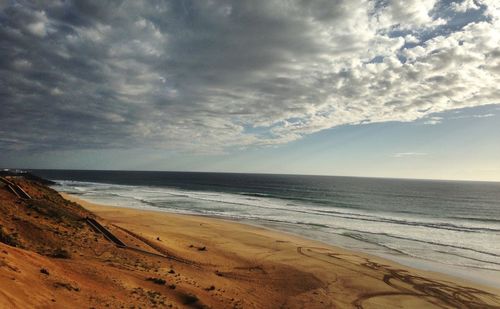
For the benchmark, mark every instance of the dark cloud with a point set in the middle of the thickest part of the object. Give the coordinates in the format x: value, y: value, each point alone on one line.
x: 199, y: 75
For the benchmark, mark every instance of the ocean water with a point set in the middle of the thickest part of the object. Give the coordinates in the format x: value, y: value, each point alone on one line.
x: 447, y: 223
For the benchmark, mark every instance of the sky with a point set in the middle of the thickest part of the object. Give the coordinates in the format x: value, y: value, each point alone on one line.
x: 379, y: 88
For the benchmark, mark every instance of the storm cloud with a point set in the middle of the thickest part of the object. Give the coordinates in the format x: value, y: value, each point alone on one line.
x: 203, y: 76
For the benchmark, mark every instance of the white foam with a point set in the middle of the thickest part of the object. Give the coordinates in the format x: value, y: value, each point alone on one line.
x: 458, y: 242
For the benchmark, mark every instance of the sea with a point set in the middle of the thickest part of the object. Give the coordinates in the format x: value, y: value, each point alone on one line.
x: 446, y: 226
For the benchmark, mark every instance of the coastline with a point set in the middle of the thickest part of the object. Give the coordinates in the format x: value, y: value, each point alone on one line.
x: 480, y: 276
x: 355, y: 274
x: 414, y: 223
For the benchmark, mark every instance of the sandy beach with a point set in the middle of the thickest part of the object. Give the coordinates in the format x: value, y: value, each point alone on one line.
x: 255, y: 267
x: 53, y: 254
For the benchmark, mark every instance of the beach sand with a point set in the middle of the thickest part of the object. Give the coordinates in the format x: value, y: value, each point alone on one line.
x: 228, y: 264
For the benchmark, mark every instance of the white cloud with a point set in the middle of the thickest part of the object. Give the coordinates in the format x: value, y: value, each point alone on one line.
x: 433, y: 120
x: 37, y: 29
x: 483, y: 116
x: 411, y: 39
x: 56, y: 91
x: 22, y: 64
x: 39, y: 26
x: 464, y: 6
x: 409, y: 14
x: 408, y: 154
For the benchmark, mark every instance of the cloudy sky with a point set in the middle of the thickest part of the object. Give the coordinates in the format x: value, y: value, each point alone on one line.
x: 377, y: 88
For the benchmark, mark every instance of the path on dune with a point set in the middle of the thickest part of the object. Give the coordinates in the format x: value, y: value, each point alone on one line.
x: 15, y: 189
x: 94, y: 224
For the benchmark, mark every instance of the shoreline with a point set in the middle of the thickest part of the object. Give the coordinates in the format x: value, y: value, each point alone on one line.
x: 151, y: 221
x: 479, y: 276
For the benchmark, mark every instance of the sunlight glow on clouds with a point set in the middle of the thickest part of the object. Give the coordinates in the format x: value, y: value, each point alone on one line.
x: 206, y: 75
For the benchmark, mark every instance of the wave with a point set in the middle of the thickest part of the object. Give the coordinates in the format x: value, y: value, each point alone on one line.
x: 437, y: 225
x: 328, y: 219
x: 434, y: 243
x: 153, y: 196
x: 486, y: 220
x: 483, y: 264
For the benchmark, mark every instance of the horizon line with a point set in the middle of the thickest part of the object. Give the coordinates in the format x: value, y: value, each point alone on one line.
x: 260, y: 173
